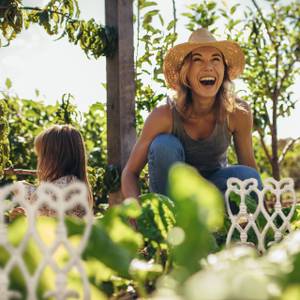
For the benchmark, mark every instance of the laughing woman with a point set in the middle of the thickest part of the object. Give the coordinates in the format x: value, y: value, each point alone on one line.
x: 196, y: 127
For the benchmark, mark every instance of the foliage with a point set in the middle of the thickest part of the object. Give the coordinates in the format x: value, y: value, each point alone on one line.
x: 27, y: 118
x: 199, y: 211
x: 291, y: 165
x: 154, y: 223
x: 4, y: 143
x: 273, y: 45
x: 182, y: 225
x: 272, y: 276
x: 100, y: 265
x: 58, y: 18
x: 155, y: 41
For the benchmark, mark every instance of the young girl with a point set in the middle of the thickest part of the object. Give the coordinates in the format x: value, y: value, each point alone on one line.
x: 197, y: 126
x: 61, y: 160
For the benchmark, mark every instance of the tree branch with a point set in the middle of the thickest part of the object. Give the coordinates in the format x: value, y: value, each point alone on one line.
x: 12, y: 171
x: 263, y: 64
x: 286, y: 148
x: 67, y: 16
x: 175, y: 19
x: 268, y: 117
x: 269, y: 157
x: 264, y: 21
x: 286, y: 73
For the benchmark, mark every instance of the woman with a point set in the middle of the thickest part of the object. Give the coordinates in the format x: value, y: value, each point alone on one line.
x: 197, y: 126
x: 61, y: 160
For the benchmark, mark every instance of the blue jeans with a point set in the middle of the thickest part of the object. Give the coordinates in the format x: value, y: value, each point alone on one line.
x: 166, y: 149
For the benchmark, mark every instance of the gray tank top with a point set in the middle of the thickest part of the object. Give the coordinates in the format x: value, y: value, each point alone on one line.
x: 208, y: 154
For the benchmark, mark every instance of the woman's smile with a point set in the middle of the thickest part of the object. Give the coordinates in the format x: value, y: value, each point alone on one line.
x: 208, y: 80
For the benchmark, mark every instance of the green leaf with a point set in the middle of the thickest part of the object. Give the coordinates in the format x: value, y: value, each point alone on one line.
x: 171, y: 24
x: 8, y: 83
x: 199, y: 210
x: 211, y: 5
x: 233, y: 9
x: 157, y: 217
x: 186, y: 184
x: 147, y: 4
x: 110, y: 233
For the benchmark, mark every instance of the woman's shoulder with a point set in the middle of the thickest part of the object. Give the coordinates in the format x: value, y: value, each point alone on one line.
x: 242, y: 105
x: 164, y: 111
x: 158, y: 121
x: 161, y: 117
x: 241, y: 115
x: 242, y: 109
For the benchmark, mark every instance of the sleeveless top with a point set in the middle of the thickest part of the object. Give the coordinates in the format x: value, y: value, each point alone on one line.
x: 206, y: 155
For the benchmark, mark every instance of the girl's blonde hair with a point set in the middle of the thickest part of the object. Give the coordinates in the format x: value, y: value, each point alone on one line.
x: 225, y: 99
x: 60, y: 150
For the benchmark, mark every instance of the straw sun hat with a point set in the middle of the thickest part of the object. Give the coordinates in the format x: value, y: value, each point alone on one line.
x: 233, y: 54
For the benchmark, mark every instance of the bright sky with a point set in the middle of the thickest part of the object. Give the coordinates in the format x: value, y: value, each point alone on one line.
x: 35, y: 61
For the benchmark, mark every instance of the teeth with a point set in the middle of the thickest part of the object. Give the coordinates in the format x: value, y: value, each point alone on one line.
x: 207, y: 78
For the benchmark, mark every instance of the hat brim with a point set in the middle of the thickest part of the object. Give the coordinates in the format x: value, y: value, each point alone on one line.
x: 232, y: 52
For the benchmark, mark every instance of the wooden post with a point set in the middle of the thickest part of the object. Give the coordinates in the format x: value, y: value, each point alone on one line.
x: 121, y: 133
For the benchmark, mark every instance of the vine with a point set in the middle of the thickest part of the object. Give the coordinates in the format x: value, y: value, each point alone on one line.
x: 59, y: 18
x: 4, y: 143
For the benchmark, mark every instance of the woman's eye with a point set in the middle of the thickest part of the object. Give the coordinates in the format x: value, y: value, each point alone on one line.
x: 216, y: 59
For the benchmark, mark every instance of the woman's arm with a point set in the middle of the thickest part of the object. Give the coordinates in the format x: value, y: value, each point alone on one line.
x: 159, y: 121
x: 242, y: 123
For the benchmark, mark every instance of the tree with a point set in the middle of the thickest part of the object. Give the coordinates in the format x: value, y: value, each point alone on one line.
x: 272, y: 51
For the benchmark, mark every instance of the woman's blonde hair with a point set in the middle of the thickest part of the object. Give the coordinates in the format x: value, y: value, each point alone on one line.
x: 61, y: 152
x: 225, y: 99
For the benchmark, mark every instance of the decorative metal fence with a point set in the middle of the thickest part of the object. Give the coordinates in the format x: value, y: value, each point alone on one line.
x: 263, y: 220
x: 58, y: 201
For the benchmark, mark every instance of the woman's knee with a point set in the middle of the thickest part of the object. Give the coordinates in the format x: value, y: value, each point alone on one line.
x: 167, y: 146
x: 245, y: 172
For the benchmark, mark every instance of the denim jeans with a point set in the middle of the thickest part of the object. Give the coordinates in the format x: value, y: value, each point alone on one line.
x: 166, y: 149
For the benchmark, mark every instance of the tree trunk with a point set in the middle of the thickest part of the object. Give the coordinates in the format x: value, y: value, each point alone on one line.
x: 275, y: 157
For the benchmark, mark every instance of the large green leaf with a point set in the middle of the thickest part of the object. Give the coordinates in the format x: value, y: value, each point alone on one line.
x: 157, y: 217
x: 186, y: 184
x: 199, y: 210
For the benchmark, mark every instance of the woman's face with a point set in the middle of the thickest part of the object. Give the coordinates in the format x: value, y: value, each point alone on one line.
x: 206, y: 72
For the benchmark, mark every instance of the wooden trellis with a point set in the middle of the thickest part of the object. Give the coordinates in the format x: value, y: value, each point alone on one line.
x: 121, y: 134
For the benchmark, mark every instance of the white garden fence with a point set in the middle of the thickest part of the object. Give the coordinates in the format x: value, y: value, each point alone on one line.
x: 60, y: 201
x: 244, y: 220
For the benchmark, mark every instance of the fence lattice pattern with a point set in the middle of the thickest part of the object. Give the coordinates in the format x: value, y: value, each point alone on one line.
x: 261, y: 221
x: 61, y: 201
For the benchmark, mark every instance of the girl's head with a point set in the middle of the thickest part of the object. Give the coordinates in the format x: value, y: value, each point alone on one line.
x: 60, y: 152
